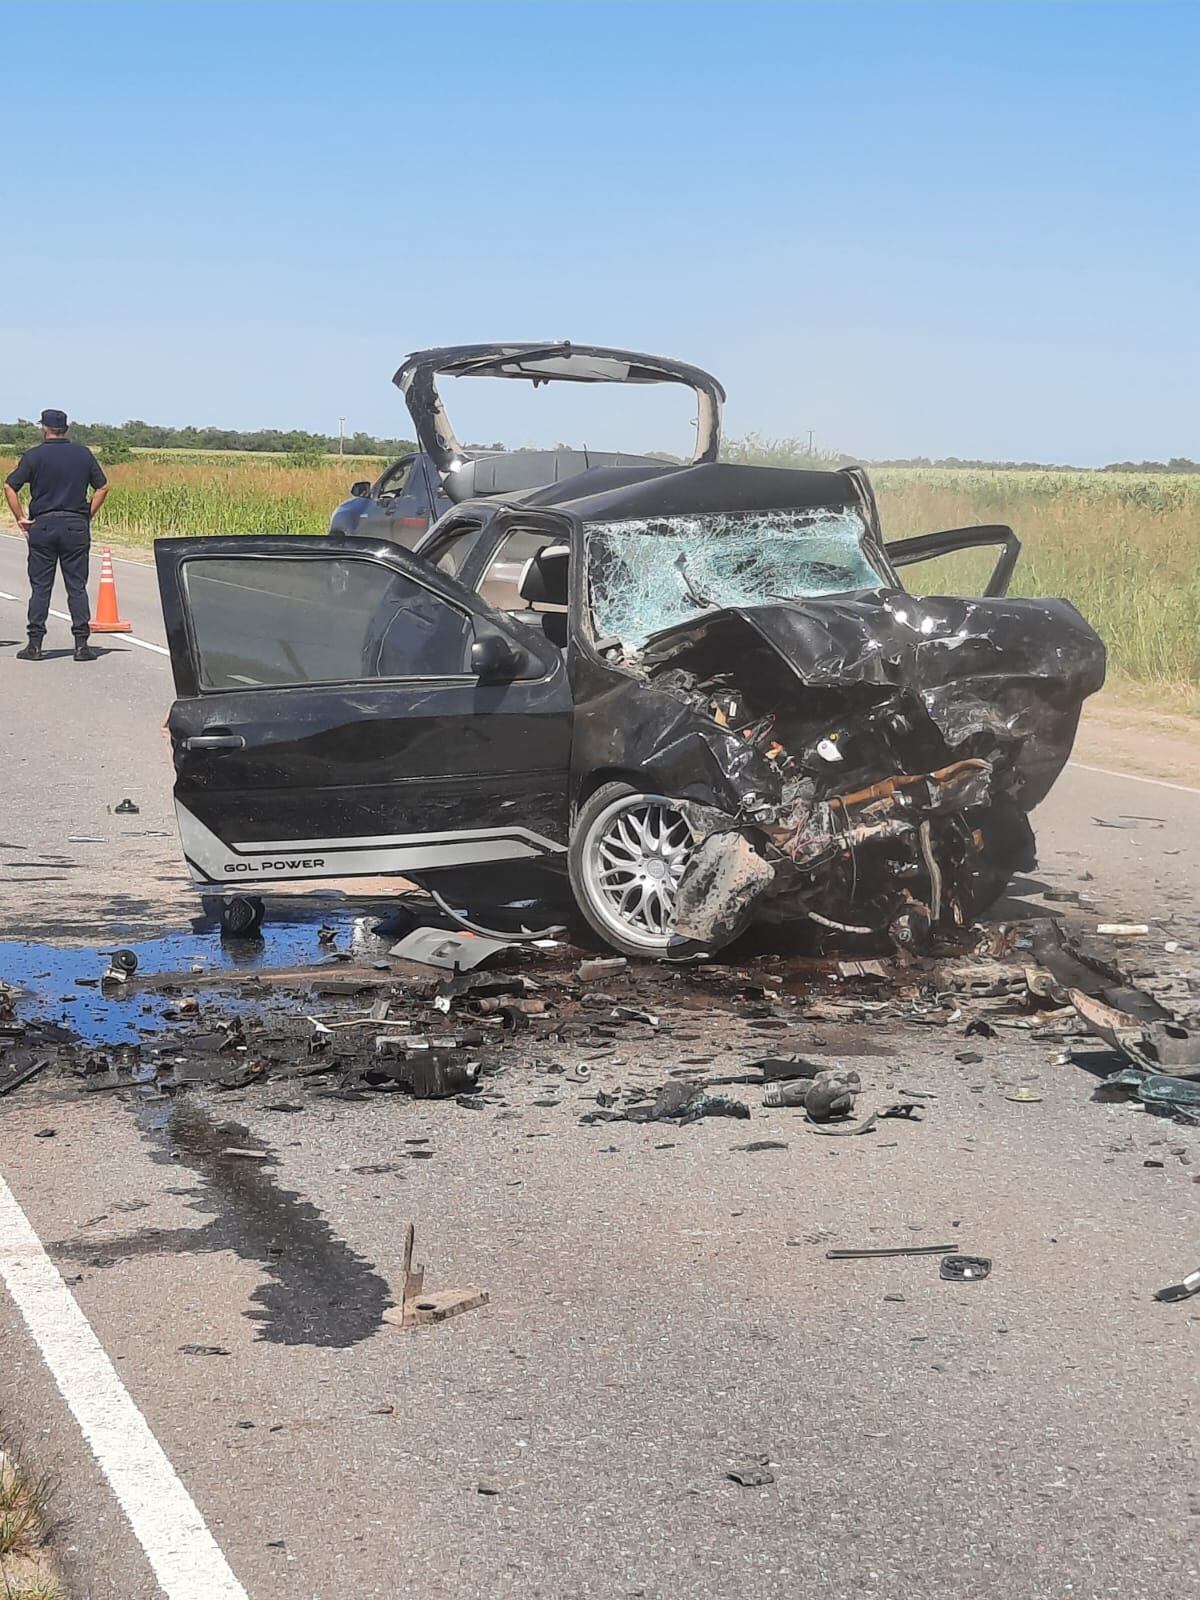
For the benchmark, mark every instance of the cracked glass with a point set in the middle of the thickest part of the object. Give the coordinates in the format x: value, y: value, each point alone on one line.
x: 649, y: 573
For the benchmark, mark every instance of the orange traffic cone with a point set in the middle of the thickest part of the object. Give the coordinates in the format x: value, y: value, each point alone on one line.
x: 108, y: 616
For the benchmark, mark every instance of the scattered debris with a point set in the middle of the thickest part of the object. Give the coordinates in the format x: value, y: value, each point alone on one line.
x: 1180, y: 1291
x: 752, y: 1474
x: 891, y: 1250
x: 126, y: 809
x: 1024, y: 1096
x: 456, y: 952
x: 602, y: 967
x: 20, y: 1074
x: 418, y: 1306
x: 964, y: 1269
x: 674, y: 1102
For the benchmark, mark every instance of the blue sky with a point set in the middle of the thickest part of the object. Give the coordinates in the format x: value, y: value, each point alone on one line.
x: 917, y: 229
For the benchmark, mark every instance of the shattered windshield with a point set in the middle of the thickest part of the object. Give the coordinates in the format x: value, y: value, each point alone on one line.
x: 649, y: 573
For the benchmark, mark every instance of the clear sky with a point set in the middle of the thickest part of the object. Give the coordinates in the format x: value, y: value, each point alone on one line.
x: 917, y: 229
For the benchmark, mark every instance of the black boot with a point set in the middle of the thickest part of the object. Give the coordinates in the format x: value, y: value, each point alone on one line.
x: 31, y: 652
x: 84, y: 651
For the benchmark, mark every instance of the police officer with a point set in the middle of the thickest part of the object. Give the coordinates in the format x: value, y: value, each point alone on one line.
x: 59, y: 473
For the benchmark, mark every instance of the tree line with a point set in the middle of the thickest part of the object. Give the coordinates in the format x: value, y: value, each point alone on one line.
x: 112, y: 438
x: 112, y: 441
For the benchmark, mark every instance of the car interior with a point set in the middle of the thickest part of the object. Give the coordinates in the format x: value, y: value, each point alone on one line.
x: 543, y: 588
x: 526, y: 578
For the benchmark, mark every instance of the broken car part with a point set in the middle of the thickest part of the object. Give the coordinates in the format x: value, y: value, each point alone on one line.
x: 893, y: 1250
x: 964, y: 1269
x: 538, y: 364
x: 420, y: 1307
x: 456, y: 952
x: 1180, y: 1291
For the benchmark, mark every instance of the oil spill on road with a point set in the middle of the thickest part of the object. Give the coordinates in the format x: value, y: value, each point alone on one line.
x: 318, y: 1291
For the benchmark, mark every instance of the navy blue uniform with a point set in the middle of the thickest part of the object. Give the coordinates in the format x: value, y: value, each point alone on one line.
x: 59, y: 473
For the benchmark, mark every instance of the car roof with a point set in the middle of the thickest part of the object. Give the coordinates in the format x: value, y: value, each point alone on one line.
x: 613, y: 494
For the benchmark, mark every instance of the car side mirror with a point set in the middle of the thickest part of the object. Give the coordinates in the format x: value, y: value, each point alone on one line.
x: 359, y: 489
x: 494, y: 659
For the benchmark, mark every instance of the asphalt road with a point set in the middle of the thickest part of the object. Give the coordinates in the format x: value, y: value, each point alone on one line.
x: 661, y: 1305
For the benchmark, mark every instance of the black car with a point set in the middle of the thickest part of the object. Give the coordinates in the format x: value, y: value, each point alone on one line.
x: 698, y: 695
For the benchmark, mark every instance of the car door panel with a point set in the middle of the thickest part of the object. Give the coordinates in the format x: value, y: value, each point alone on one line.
x: 380, y: 775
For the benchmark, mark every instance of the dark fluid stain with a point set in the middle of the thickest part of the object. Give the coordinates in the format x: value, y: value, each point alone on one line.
x: 318, y: 1290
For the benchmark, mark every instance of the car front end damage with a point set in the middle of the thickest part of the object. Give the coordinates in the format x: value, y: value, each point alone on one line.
x: 866, y: 761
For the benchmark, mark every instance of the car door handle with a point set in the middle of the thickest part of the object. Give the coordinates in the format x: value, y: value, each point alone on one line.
x: 215, y: 741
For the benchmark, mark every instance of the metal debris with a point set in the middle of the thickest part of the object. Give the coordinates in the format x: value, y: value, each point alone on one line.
x: 1183, y: 1290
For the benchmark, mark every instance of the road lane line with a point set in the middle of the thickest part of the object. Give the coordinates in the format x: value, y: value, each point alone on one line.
x: 186, y: 1559
x: 1133, y: 777
x: 126, y: 638
x: 142, y: 644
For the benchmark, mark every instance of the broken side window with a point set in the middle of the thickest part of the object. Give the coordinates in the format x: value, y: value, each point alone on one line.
x: 649, y: 573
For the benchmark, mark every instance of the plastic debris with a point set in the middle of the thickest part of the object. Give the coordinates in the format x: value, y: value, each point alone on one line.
x: 753, y: 1474
x: 456, y: 952
x: 603, y: 967
x: 964, y: 1269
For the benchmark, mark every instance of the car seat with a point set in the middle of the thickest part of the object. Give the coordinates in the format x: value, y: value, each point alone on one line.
x: 544, y: 583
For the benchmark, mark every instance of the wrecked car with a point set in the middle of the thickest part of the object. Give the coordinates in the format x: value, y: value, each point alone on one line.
x: 694, y: 695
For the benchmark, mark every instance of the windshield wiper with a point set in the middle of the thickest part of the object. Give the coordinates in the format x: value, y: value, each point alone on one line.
x: 694, y: 594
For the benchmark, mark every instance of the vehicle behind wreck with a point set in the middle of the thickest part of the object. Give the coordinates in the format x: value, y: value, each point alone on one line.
x: 698, y: 694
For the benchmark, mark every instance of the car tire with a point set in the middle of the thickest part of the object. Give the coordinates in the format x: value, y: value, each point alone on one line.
x: 628, y: 849
x: 241, y: 917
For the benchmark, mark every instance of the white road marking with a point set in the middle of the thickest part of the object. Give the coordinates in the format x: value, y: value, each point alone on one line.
x: 186, y: 1559
x: 142, y: 644
x: 1133, y: 777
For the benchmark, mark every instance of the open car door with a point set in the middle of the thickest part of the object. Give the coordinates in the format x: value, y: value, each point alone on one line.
x: 931, y: 546
x: 346, y: 711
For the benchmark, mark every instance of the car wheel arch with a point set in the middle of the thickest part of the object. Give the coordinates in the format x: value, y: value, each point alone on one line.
x: 598, y: 777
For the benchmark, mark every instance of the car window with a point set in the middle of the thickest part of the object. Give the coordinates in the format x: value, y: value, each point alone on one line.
x: 261, y: 621
x: 454, y: 551
x: 649, y: 573
x: 500, y: 585
x: 396, y: 476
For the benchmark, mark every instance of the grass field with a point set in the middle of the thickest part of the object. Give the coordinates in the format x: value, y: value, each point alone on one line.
x: 1124, y: 547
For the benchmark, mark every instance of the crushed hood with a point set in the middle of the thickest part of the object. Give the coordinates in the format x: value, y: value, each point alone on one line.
x: 1013, y: 671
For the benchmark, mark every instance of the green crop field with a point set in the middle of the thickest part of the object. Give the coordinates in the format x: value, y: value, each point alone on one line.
x: 1124, y: 547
